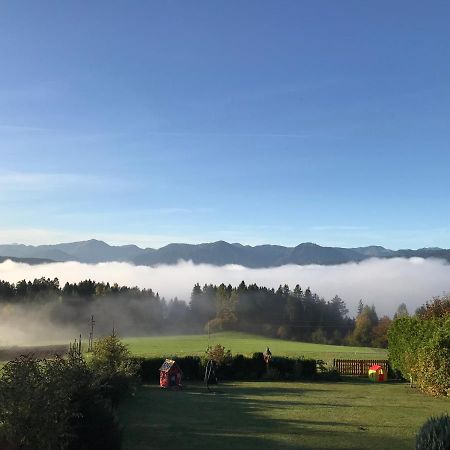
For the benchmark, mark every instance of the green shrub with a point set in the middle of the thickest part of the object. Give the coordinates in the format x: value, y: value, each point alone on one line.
x: 219, y: 355
x: 96, y: 426
x: 405, y: 336
x: 329, y: 375
x: 273, y: 374
x: 433, y: 363
x: 238, y: 367
x: 419, y: 349
x: 148, y: 368
x: 305, y: 368
x: 54, y: 405
x: 434, y: 434
x: 114, y: 367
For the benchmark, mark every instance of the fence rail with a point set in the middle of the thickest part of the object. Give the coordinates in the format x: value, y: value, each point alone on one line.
x: 358, y: 367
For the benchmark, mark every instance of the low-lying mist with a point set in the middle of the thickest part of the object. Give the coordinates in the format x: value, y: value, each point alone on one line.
x: 384, y: 282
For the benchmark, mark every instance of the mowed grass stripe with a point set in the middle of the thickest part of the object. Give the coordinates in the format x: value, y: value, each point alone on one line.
x: 245, y: 344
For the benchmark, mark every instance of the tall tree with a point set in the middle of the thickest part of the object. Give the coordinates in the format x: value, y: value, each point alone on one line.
x: 402, y: 311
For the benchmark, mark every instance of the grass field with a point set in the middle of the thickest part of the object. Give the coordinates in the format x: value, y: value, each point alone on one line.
x: 245, y: 344
x: 277, y: 415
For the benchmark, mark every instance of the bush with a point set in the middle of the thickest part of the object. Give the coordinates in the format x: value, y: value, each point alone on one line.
x: 112, y: 363
x: 54, y: 404
x: 219, y: 355
x: 305, y: 368
x: 405, y: 336
x: 433, y: 364
x: 239, y: 367
x: 96, y: 426
x: 434, y: 434
x: 273, y: 374
x: 148, y: 368
x: 420, y: 350
x: 329, y: 375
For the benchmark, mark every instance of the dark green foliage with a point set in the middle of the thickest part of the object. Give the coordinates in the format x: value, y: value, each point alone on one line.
x: 365, y: 323
x: 406, y: 336
x: 54, y: 405
x: 285, y: 313
x: 112, y: 363
x: 64, y: 403
x: 434, y: 434
x: 96, y: 427
x: 191, y: 366
x: 419, y: 348
x: 239, y: 367
x: 288, y: 314
x: 433, y: 371
x: 329, y: 375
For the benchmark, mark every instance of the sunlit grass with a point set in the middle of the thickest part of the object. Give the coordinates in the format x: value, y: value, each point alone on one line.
x: 246, y: 344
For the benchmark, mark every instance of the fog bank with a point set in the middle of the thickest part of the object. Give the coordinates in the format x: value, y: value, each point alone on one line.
x: 383, y: 282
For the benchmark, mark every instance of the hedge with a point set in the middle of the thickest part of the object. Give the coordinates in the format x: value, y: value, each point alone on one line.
x: 419, y: 349
x: 240, y: 368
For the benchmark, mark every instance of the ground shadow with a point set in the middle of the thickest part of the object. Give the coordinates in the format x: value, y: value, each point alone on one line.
x: 238, y: 416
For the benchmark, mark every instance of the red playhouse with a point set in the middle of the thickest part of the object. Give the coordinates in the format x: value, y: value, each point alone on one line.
x: 170, y: 375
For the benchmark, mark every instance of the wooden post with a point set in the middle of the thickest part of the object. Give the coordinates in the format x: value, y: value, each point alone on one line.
x: 91, y: 336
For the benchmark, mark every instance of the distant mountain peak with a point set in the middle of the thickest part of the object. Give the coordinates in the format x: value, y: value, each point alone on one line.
x: 217, y: 253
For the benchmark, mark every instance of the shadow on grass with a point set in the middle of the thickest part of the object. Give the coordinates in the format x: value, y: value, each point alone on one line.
x: 236, y: 417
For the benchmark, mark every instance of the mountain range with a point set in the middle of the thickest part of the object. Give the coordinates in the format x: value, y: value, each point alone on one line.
x: 216, y: 253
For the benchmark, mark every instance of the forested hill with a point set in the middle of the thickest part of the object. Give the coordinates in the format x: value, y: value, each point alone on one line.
x: 32, y: 261
x: 216, y: 253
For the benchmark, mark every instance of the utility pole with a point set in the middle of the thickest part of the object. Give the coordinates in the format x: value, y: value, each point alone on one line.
x: 91, y: 336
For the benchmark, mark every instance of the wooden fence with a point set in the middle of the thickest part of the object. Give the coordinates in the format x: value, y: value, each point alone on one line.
x: 358, y: 367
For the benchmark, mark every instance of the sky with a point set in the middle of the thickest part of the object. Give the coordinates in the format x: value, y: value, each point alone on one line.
x: 281, y: 122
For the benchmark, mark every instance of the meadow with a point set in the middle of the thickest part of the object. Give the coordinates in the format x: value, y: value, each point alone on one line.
x: 246, y: 344
x: 196, y: 344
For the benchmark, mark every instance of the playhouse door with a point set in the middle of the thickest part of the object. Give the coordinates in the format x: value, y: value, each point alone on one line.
x: 173, y: 380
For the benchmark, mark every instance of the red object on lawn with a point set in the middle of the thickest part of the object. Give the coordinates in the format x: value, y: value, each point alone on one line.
x: 170, y: 375
x: 376, y: 373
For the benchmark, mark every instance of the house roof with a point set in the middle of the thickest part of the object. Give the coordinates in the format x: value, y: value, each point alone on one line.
x: 168, y: 364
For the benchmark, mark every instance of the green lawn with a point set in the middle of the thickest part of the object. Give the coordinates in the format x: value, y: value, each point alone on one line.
x: 245, y: 344
x: 278, y: 415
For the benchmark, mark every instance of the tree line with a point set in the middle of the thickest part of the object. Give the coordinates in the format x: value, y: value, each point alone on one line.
x: 295, y: 314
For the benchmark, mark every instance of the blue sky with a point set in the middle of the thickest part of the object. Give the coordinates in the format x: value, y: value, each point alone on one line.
x: 257, y: 121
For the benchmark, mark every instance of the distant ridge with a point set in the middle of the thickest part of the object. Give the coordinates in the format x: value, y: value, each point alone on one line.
x: 31, y: 261
x: 216, y: 253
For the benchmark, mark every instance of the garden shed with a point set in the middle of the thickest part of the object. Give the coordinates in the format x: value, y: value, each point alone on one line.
x: 170, y: 374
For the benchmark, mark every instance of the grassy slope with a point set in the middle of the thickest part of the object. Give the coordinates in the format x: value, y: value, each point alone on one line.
x: 282, y: 416
x: 245, y: 344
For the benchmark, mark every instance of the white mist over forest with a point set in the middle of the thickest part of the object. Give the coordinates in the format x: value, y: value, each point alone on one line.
x: 384, y: 282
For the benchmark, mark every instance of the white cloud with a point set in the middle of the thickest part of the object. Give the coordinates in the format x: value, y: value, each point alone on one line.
x: 383, y: 282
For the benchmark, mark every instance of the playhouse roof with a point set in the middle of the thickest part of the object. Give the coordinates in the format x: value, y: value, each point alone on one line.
x: 168, y: 364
